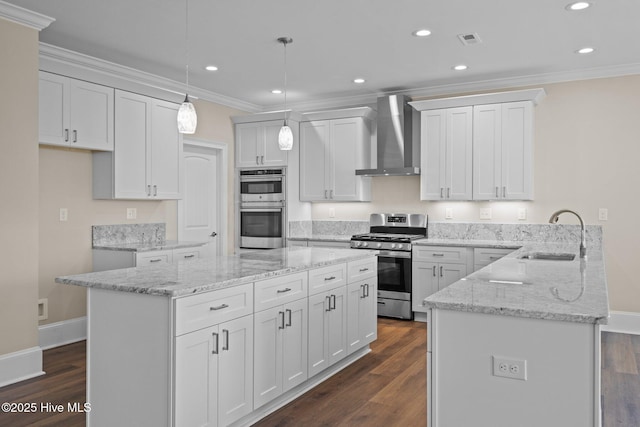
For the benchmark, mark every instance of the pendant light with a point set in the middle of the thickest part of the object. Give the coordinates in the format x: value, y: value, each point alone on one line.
x: 285, y: 137
x: 187, y: 117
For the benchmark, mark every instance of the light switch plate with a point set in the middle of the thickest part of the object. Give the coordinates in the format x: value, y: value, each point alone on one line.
x: 132, y: 213
x: 332, y: 212
x: 448, y: 213
x: 485, y: 213
x: 64, y: 214
x: 603, y: 214
x: 522, y: 214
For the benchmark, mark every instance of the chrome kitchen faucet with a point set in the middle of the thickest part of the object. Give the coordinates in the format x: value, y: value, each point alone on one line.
x: 583, y: 239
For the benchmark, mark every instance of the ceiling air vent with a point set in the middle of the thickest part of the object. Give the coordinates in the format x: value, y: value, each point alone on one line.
x: 469, y: 39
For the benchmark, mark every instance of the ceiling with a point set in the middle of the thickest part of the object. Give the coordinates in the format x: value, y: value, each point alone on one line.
x: 335, y: 41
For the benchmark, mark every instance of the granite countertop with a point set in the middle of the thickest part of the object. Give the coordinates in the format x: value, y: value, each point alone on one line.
x: 346, y: 238
x: 574, y: 291
x: 497, y: 244
x: 149, y: 246
x: 204, y: 275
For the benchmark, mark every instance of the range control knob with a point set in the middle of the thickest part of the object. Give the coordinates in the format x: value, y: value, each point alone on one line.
x: 399, y: 245
x: 378, y: 245
x: 393, y: 246
x: 365, y: 244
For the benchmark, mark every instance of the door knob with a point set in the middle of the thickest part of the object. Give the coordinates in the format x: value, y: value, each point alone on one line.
x: 214, y: 234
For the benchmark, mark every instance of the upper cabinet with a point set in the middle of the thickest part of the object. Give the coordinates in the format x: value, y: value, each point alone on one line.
x: 75, y: 113
x: 446, y: 154
x: 257, y: 144
x: 478, y: 147
x: 147, y: 159
x: 332, y: 147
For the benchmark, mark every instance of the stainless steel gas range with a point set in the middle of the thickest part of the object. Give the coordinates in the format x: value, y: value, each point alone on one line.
x: 391, y: 235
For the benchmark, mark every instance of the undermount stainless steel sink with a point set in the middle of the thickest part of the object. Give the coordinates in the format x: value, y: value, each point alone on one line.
x: 553, y: 256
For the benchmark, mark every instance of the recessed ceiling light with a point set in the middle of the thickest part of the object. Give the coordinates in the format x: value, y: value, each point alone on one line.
x: 579, y: 5
x: 211, y: 68
x: 585, y: 50
x: 359, y: 80
x: 460, y: 67
x: 422, y: 33
x: 276, y: 91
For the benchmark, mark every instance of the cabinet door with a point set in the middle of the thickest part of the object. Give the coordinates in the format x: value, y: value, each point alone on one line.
x: 432, y: 155
x: 53, y: 121
x: 458, y: 164
x: 450, y: 273
x: 267, y: 381
x: 165, y: 151
x: 337, y: 325
x: 369, y: 311
x: 196, y: 378
x: 294, y: 345
x: 271, y: 154
x: 361, y: 314
x: 487, y: 152
x: 248, y: 136
x: 424, y: 282
x: 345, y: 149
x: 318, y: 333
x: 235, y: 387
x: 517, y: 130
x: 91, y: 116
x: 132, y: 128
x: 313, y: 155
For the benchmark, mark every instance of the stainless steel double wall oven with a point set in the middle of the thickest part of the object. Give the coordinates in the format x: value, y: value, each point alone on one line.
x: 262, y: 208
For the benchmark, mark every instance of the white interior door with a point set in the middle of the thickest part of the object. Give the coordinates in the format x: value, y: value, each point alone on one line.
x: 198, y: 211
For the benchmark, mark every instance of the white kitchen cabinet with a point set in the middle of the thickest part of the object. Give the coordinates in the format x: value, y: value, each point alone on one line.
x: 362, y: 311
x: 257, y: 143
x: 327, y: 329
x: 485, y: 256
x: 330, y: 152
x: 106, y: 259
x: 433, y: 269
x: 214, y: 374
x: 75, y: 113
x: 147, y: 159
x: 502, y: 154
x: 446, y: 154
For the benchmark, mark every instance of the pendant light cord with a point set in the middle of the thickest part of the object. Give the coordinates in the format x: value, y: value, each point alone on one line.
x: 285, y: 83
x: 186, y: 36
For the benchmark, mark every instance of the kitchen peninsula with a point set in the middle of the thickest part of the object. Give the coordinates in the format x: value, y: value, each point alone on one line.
x: 174, y: 344
x: 518, y: 341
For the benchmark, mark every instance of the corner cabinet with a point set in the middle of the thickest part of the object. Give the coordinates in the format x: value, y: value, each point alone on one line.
x: 446, y: 155
x: 74, y: 113
x: 147, y: 159
x: 331, y: 150
x: 478, y: 147
x: 257, y: 144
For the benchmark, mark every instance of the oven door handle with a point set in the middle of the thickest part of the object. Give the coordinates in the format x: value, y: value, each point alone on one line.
x: 252, y: 209
x: 394, y: 254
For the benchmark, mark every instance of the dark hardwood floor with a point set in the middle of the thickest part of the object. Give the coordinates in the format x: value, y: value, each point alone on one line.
x: 385, y: 388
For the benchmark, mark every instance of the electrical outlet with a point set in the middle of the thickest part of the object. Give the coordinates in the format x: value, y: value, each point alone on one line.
x: 64, y: 214
x: 132, y: 213
x: 332, y: 212
x: 603, y: 214
x: 522, y: 214
x: 485, y: 213
x: 515, y: 369
x: 43, y: 309
x: 448, y: 213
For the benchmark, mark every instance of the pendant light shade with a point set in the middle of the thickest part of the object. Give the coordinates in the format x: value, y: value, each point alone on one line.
x: 285, y: 137
x: 187, y: 117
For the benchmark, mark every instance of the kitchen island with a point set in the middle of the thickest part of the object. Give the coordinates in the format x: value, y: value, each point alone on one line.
x: 223, y: 341
x: 518, y: 342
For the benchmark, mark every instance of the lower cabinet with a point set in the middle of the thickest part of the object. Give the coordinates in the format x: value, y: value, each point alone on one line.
x: 281, y: 347
x: 214, y: 374
x: 327, y: 329
x: 362, y: 311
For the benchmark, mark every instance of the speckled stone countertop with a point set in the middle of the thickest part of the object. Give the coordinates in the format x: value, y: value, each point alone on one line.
x: 572, y: 291
x: 498, y: 244
x: 340, y: 238
x: 150, y: 246
x: 203, y: 275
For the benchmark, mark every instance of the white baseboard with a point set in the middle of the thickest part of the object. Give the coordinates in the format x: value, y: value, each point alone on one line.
x: 20, y: 365
x: 624, y: 322
x: 62, y: 333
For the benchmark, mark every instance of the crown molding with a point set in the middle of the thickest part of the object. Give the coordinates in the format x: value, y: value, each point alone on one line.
x: 51, y: 57
x: 25, y: 17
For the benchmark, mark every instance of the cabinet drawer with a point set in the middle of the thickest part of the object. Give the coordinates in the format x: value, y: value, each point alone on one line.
x: 324, y: 278
x: 485, y: 256
x: 154, y: 258
x: 440, y: 254
x: 280, y: 290
x: 362, y: 269
x: 187, y: 254
x: 210, y: 308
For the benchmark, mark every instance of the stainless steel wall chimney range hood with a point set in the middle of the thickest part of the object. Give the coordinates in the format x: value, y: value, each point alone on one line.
x: 397, y: 124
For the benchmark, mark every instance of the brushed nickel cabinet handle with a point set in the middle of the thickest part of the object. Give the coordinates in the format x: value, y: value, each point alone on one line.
x: 325, y: 194
x: 155, y: 260
x: 189, y: 256
x: 367, y: 285
x: 282, y: 291
x: 441, y: 268
x: 148, y: 190
x: 289, y: 314
x: 333, y: 298
x: 362, y: 295
x: 448, y: 192
x: 331, y: 194
x: 281, y: 314
x: 215, y: 340
x: 363, y: 270
x: 257, y: 160
x: 438, y: 254
x: 225, y: 334
x: 328, y: 298
x: 329, y: 278
x: 434, y: 271
x: 441, y: 193
x: 262, y: 160
x: 75, y: 135
x: 220, y: 307
x: 155, y: 190
x: 504, y: 192
x: 66, y: 135
x: 497, y: 192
